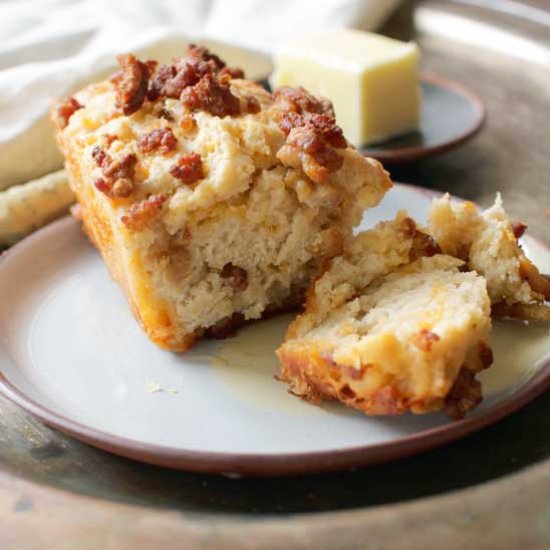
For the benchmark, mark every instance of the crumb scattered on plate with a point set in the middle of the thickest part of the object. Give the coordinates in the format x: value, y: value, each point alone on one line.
x: 154, y: 387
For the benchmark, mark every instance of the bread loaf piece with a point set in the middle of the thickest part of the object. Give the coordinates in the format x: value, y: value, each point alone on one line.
x: 211, y: 200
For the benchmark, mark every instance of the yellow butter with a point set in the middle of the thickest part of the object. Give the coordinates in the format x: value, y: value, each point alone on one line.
x: 371, y: 79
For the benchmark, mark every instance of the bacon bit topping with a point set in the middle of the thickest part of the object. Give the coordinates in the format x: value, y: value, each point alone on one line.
x: 321, y: 130
x: 151, y: 65
x: 118, y: 175
x: 298, y: 100
x: 161, y: 77
x: 424, y: 339
x: 211, y: 96
x: 231, y: 72
x: 171, y: 80
x: 188, y: 169
x: 252, y: 105
x: 122, y: 188
x: 162, y: 139
x: 519, y: 229
x: 200, y: 53
x: 65, y: 111
x: 103, y: 185
x: 310, y: 141
x: 123, y: 167
x: 131, y: 84
x: 139, y: 215
x: 237, y: 276
x: 101, y: 158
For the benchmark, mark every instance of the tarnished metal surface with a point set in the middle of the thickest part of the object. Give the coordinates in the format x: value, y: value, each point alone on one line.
x: 511, y: 155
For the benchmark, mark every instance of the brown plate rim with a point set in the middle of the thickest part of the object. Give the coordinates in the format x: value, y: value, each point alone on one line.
x: 410, y: 154
x: 270, y: 464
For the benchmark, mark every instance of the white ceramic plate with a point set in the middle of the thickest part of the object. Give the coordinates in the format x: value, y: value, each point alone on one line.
x: 72, y: 354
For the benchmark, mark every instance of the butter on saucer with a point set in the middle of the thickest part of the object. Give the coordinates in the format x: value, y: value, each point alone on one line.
x: 371, y: 79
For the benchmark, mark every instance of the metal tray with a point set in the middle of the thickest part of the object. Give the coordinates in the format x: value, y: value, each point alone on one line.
x: 489, y: 490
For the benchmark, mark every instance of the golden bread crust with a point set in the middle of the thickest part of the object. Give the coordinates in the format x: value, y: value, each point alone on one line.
x: 410, y: 340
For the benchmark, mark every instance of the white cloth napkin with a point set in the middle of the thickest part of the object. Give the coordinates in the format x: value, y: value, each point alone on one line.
x: 50, y: 48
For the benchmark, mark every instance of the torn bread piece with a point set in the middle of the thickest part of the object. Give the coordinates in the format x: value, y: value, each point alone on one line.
x: 211, y: 200
x: 367, y: 256
x: 409, y: 337
x: 488, y: 242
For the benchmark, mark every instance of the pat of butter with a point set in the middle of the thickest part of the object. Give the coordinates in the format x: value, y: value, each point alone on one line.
x: 371, y: 79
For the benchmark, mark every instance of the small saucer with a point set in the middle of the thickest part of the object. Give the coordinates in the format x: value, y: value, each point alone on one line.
x: 451, y: 115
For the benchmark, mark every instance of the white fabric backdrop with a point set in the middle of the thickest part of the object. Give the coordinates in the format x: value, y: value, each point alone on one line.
x: 51, y: 47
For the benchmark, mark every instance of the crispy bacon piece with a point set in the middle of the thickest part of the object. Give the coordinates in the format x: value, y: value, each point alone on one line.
x: 123, y: 167
x: 65, y: 110
x: 319, y: 130
x: 231, y: 72
x: 519, y: 229
x: 311, y: 140
x: 140, y: 214
x: 311, y: 164
x: 170, y: 80
x: 117, y: 189
x: 118, y: 175
x: 253, y: 106
x: 103, y: 185
x: 298, y: 100
x: 131, y: 84
x: 161, y: 77
x: 200, y: 53
x: 237, y: 276
x: 101, y: 158
x: 188, y: 169
x: 424, y: 339
x: 211, y: 96
x: 162, y: 139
